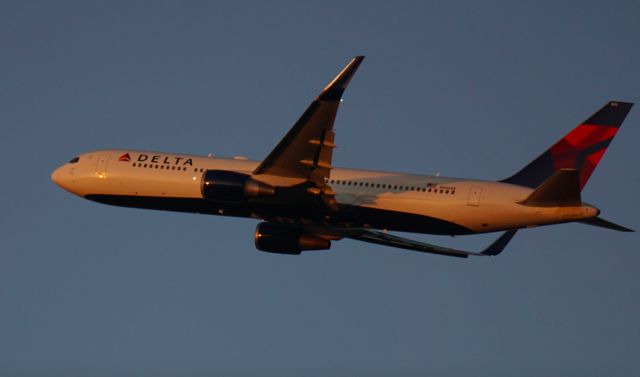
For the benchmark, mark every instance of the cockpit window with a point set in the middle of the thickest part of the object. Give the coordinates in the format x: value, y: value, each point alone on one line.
x: 74, y: 160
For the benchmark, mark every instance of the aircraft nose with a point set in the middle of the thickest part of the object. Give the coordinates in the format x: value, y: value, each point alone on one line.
x: 55, y: 176
x: 65, y: 177
x: 59, y: 176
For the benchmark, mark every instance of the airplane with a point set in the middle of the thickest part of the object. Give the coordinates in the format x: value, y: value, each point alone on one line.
x: 305, y: 203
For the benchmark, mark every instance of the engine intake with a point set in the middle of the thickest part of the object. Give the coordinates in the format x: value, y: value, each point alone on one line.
x: 230, y: 186
x: 283, y: 239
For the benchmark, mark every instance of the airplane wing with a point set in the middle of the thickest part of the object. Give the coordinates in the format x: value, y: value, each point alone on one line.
x: 381, y: 238
x: 307, y: 149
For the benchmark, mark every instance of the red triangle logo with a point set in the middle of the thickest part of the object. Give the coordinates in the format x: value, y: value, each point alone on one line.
x: 125, y: 157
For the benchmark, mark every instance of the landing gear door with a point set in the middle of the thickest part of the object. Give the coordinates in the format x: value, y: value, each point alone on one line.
x: 474, y: 196
x: 101, y: 164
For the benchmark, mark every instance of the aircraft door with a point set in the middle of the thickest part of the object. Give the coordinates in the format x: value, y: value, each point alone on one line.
x: 474, y: 196
x: 101, y: 164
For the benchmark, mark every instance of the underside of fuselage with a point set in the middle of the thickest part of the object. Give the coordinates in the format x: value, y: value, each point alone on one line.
x: 348, y: 216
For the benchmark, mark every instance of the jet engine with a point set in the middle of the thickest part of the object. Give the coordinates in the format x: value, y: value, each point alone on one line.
x: 283, y: 239
x: 230, y: 186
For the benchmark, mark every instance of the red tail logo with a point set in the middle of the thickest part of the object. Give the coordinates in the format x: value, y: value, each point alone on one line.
x: 125, y: 157
x: 580, y: 149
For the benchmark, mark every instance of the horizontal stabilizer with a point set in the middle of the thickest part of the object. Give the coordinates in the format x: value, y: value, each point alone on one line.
x: 597, y: 221
x: 562, y: 189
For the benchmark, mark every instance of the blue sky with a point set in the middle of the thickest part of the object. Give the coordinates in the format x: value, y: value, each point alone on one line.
x: 462, y: 88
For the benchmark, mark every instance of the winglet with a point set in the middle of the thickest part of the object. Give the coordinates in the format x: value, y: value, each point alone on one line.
x: 498, y: 245
x: 333, y: 91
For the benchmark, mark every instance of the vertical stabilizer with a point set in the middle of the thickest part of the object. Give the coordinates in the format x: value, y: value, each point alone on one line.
x: 581, y: 149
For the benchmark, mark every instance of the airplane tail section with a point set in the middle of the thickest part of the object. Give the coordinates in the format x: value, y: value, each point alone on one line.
x: 600, y: 222
x: 581, y: 149
x: 560, y: 190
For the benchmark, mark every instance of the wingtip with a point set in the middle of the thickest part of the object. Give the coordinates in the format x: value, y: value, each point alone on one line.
x: 335, y: 89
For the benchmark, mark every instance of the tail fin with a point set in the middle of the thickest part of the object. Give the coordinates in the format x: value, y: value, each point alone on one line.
x: 580, y: 149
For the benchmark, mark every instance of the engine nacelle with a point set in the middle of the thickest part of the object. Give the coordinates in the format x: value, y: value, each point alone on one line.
x: 230, y: 186
x: 283, y: 239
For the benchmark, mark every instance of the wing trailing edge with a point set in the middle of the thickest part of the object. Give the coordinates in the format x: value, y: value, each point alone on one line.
x: 382, y: 238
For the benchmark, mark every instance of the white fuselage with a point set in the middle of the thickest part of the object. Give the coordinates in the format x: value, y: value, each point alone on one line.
x: 475, y: 205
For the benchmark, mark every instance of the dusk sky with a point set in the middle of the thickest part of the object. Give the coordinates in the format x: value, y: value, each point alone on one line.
x: 465, y: 89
